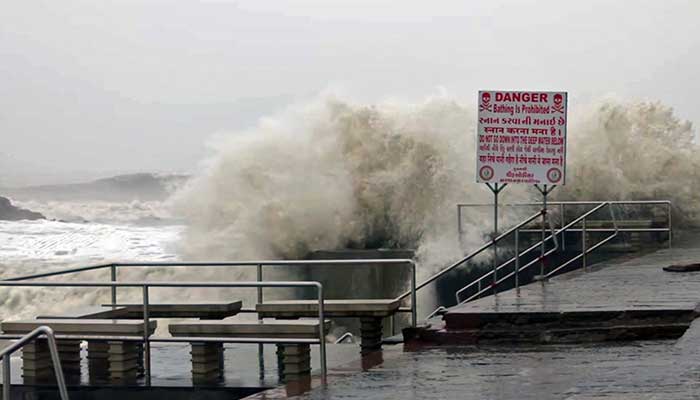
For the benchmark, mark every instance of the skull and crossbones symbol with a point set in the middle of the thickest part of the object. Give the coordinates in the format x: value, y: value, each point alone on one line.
x: 485, y: 102
x: 558, y: 103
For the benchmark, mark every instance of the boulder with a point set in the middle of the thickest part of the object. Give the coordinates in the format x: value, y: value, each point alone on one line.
x: 8, y: 212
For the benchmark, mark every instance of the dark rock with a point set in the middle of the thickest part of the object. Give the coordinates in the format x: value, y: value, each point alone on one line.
x: 8, y: 212
x: 683, y: 268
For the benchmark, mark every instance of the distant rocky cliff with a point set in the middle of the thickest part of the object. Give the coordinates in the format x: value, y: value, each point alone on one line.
x: 8, y: 212
x: 142, y: 187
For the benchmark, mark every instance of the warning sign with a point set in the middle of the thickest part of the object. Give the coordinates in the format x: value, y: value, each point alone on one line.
x: 521, y: 137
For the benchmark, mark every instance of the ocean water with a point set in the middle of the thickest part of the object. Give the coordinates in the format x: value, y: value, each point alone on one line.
x: 30, y: 247
x: 32, y: 244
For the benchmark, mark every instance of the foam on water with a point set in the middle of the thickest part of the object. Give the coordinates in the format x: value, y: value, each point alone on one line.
x: 332, y: 174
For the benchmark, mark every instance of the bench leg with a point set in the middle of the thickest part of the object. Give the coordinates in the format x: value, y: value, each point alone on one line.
x: 38, y: 367
x: 36, y: 362
x: 98, y: 360
x: 140, y: 365
x: 295, y: 361
x: 207, y: 362
x: 371, y: 334
x: 123, y: 361
x: 69, y: 354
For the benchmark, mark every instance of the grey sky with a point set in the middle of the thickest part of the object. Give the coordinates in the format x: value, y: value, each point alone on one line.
x: 90, y: 88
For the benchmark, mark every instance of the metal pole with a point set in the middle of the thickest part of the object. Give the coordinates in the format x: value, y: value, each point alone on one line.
x: 495, y: 235
x: 459, y: 223
x: 670, y: 227
x: 60, y: 379
x: 414, y: 304
x: 562, y: 222
x: 583, y: 244
x: 517, y: 260
x: 146, y: 343
x: 322, y: 333
x: 544, y: 231
x: 260, y: 289
x: 6, y: 377
x: 261, y: 347
x: 113, y: 277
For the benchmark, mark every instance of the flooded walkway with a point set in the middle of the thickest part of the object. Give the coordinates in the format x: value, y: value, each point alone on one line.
x: 630, y: 369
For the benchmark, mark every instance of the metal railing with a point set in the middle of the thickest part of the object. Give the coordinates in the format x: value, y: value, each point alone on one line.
x: 344, y: 336
x: 562, y: 208
x: 258, y: 264
x: 471, y: 255
x: 147, y: 340
x: 6, y: 353
x: 516, y: 259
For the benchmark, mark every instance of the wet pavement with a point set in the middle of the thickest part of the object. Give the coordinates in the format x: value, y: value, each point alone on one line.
x: 636, y: 284
x: 637, y: 370
x: 661, y: 369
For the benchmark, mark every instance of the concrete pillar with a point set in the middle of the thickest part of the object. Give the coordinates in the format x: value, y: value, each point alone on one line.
x: 36, y: 362
x: 69, y: 354
x: 98, y: 360
x: 140, y: 368
x: 371, y: 334
x: 296, y: 362
x: 280, y: 362
x: 123, y: 361
x: 37, y: 365
x: 207, y: 362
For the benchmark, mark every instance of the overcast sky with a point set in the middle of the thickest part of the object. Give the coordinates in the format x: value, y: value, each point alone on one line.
x: 91, y: 88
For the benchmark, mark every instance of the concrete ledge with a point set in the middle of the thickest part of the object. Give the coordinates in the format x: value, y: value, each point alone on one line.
x: 332, y: 308
x: 183, y: 310
x: 79, y: 326
x: 435, y: 336
x: 533, y: 320
x: 302, y: 329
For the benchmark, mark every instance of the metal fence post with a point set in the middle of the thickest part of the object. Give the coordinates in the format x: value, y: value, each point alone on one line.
x: 322, y: 332
x: 6, y: 377
x: 583, y: 244
x: 517, y: 260
x: 58, y: 371
x: 261, y: 347
x: 146, y: 341
x: 670, y: 228
x: 113, y: 277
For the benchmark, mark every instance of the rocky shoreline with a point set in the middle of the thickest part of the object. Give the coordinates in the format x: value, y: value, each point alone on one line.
x: 9, y: 212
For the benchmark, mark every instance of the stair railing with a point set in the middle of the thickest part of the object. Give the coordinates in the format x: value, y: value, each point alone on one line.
x: 6, y: 353
x: 516, y: 259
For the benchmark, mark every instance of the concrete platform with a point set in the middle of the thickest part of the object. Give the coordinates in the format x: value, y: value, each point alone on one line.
x: 79, y: 326
x: 183, y: 310
x: 332, y: 308
x: 619, y: 300
x: 93, y: 312
x: 300, y: 329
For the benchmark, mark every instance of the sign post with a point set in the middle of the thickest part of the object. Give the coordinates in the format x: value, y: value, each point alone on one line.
x: 521, y: 138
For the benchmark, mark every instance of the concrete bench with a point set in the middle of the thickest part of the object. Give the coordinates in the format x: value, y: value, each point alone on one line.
x: 117, y: 359
x: 181, y: 310
x: 94, y: 312
x: 370, y: 312
x: 294, y: 360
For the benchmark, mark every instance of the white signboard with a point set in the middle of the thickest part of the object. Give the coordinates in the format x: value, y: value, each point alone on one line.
x: 521, y: 137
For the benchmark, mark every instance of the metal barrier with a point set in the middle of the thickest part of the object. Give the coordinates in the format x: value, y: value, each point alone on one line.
x: 562, y: 206
x: 516, y: 259
x: 346, y: 335
x: 258, y: 264
x: 6, y: 353
x: 146, y: 339
x: 471, y: 255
